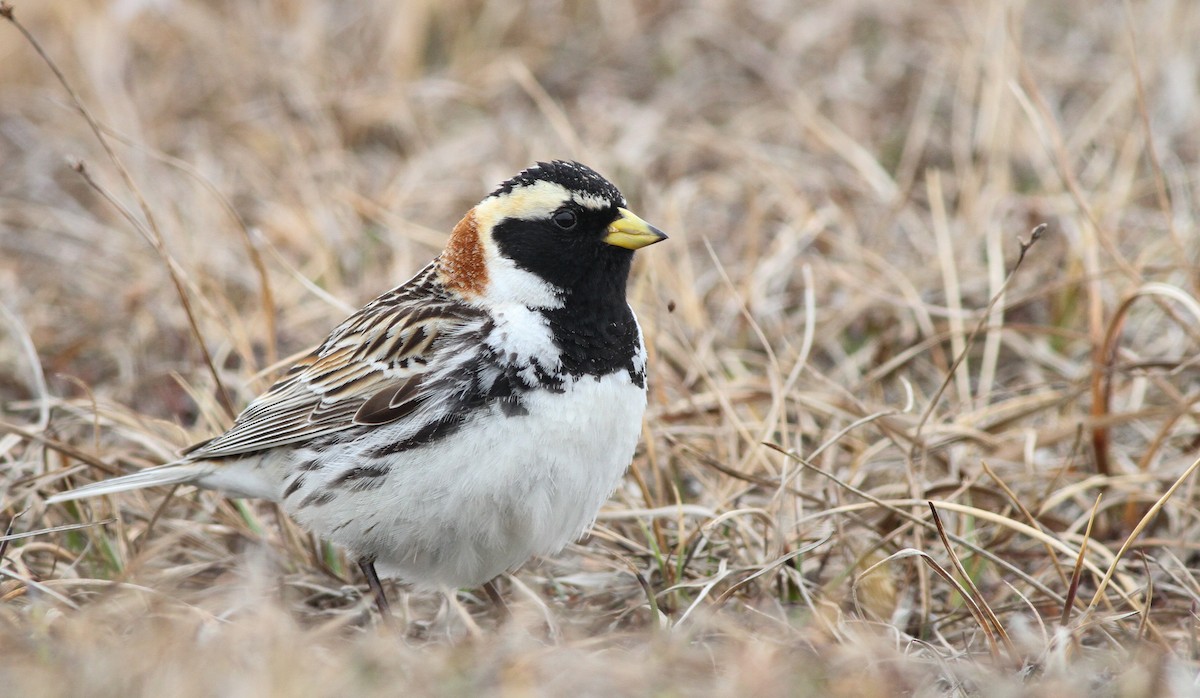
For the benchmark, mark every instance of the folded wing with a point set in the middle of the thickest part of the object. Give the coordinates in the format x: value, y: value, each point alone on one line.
x: 367, y: 372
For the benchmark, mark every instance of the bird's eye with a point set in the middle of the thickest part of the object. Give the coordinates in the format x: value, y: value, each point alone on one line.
x: 564, y: 219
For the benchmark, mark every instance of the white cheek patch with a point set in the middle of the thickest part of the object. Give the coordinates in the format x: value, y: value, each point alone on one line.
x: 508, y: 283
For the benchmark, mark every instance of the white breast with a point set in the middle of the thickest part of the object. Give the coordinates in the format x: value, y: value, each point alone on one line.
x: 494, y: 493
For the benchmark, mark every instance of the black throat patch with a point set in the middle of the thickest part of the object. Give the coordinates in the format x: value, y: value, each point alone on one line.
x: 597, y: 339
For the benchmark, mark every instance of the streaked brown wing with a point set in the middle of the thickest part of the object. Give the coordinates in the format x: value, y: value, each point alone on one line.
x: 367, y: 372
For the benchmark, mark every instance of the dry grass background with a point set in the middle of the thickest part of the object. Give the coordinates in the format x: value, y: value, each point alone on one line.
x: 846, y: 185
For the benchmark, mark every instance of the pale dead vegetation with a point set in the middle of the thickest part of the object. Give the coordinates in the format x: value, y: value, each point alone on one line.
x: 846, y: 185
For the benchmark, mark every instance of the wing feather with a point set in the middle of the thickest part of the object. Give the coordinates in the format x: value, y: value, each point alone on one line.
x: 367, y: 372
x: 392, y: 403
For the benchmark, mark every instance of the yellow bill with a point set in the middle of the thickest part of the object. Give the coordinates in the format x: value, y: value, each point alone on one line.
x: 631, y: 232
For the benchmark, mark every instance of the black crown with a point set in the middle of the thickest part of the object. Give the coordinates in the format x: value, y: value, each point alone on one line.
x: 572, y: 175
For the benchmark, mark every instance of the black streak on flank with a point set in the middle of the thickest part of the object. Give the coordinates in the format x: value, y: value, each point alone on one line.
x: 490, y: 381
x: 294, y: 487
x: 434, y: 431
x: 511, y: 406
x: 363, y: 477
x: 317, y: 498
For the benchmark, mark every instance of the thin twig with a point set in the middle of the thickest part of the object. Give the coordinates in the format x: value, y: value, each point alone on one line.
x: 1137, y: 531
x: 988, y: 614
x: 1034, y: 236
x: 150, y: 231
x: 1077, y: 573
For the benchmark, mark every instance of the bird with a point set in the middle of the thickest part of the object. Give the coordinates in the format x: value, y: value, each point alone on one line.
x: 471, y: 418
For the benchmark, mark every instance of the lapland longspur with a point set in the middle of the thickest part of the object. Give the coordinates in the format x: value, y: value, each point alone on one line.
x: 473, y: 417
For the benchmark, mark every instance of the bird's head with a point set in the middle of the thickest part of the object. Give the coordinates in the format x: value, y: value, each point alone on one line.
x: 557, y: 229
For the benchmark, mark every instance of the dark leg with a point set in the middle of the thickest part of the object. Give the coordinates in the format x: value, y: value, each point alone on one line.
x: 367, y: 565
x: 497, y: 600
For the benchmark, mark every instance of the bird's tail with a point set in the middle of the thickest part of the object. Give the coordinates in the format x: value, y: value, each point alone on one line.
x: 169, y: 474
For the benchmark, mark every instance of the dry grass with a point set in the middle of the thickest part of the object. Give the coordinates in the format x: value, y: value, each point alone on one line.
x: 845, y: 184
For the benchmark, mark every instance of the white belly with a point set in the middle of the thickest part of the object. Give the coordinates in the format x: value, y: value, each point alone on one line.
x: 492, y: 494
